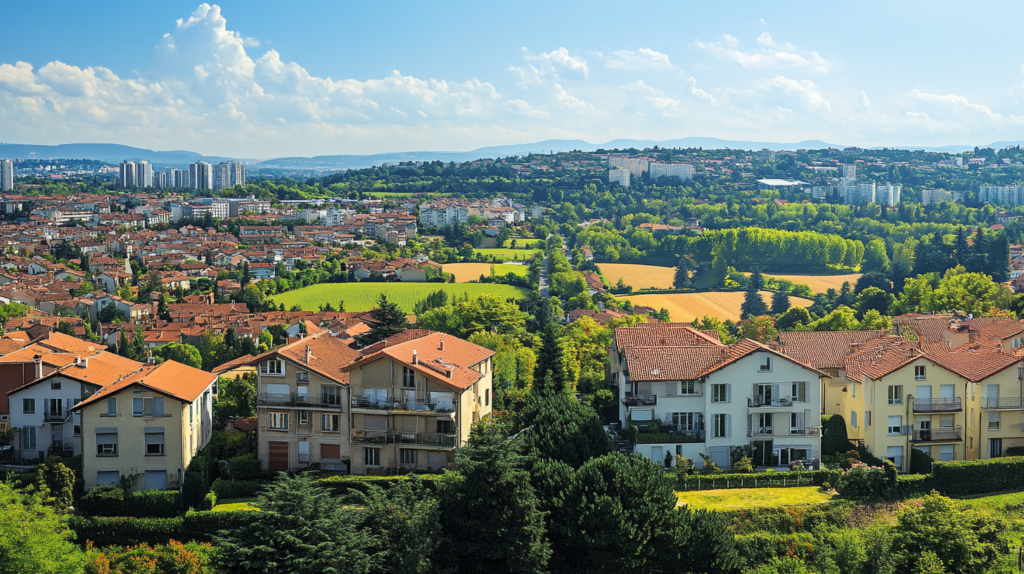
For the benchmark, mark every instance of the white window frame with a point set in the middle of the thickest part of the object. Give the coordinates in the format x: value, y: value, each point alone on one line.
x: 895, y: 394
x: 330, y: 422
x: 688, y: 388
x: 408, y: 456
x: 719, y: 393
x: 277, y: 420
x: 371, y: 457
x: 24, y: 406
x: 272, y: 368
x: 995, y: 418
x: 721, y: 425
x: 408, y: 378
x: 920, y: 373
x: 159, y: 451
x: 765, y: 366
x: 895, y: 429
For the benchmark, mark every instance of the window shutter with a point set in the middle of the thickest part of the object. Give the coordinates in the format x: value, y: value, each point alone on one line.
x: 728, y: 392
x: 285, y: 420
x: 750, y: 424
x: 797, y: 417
x: 728, y: 426
x: 136, y: 406
x: 807, y: 418
x: 158, y: 406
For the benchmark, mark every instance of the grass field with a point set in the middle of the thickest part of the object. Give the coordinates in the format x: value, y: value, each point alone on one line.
x: 741, y: 498
x: 522, y: 243
x: 363, y: 296
x: 819, y: 283
x: 509, y: 254
x: 639, y: 276
x: 683, y: 307
x: 233, y: 504
x: 471, y: 271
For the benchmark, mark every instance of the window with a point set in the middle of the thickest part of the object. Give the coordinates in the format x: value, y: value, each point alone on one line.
x: 55, y: 407
x: 303, y: 451
x: 112, y: 407
x: 106, y: 442
x: 408, y: 378
x: 330, y: 396
x: 329, y: 423
x: 720, y: 426
x: 55, y: 385
x: 919, y: 373
x: 28, y: 406
x: 867, y: 419
x: 274, y: 368
x: 719, y: 393
x: 148, y: 407
x: 302, y: 375
x: 800, y: 392
x: 445, y: 427
x: 972, y: 418
x: 28, y: 439
x: 946, y: 421
x: 947, y: 452
x: 105, y: 477
x: 487, y: 398
x: 408, y: 456
x: 155, y: 441
x: 853, y: 390
x: 895, y: 424
x: 687, y: 388
x: 764, y: 422
x: 277, y: 421
x: 794, y: 420
x: 766, y: 364
x: 853, y: 417
x: 371, y: 457
x: 303, y: 417
x: 895, y: 394
x: 993, y: 421
x: 764, y: 394
x: 686, y: 421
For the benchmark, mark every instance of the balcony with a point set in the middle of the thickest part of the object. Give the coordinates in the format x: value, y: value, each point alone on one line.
x: 632, y: 400
x: 951, y: 405
x: 398, y: 404
x: 54, y: 416
x: 297, y: 400
x: 938, y: 435
x: 1004, y: 403
x: 670, y: 437
x: 375, y: 437
x: 767, y: 402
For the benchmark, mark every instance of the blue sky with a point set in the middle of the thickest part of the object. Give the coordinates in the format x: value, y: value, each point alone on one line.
x: 261, y: 79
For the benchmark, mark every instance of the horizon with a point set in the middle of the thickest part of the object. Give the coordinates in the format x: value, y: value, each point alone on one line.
x: 244, y: 80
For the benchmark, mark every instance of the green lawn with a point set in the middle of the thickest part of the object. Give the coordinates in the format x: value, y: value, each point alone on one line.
x: 522, y: 243
x: 509, y: 254
x: 740, y: 498
x: 995, y: 502
x: 502, y: 269
x: 233, y: 504
x: 363, y: 296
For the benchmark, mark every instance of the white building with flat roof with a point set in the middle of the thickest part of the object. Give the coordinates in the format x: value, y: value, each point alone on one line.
x: 619, y: 176
x: 683, y: 171
x: 6, y: 175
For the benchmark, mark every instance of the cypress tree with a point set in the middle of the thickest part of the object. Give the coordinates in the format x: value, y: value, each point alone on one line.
x: 682, y: 278
x: 753, y: 303
x: 780, y: 302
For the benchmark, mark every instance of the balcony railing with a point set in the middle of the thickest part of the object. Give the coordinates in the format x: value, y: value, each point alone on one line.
x: 1002, y: 403
x: 54, y: 416
x: 670, y: 437
x: 398, y: 404
x: 640, y: 400
x: 768, y: 402
x: 949, y: 405
x: 938, y: 435
x: 440, y: 440
x: 297, y: 400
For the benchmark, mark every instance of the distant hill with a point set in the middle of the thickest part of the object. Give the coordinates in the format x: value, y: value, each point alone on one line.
x: 116, y: 153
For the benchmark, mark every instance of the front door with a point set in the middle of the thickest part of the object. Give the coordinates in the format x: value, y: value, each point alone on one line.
x: 995, y: 447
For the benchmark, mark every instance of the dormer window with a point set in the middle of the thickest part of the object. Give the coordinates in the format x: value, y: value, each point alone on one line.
x: 766, y: 364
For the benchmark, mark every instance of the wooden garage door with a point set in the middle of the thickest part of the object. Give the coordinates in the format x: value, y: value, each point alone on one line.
x: 278, y: 456
x: 330, y: 452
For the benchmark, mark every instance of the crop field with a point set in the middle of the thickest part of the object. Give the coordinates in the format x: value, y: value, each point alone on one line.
x: 471, y: 271
x: 819, y: 283
x: 742, y: 498
x: 507, y: 254
x: 639, y: 276
x: 684, y: 307
x: 363, y: 296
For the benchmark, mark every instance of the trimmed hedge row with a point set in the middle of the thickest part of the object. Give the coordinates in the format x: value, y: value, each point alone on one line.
x: 960, y: 477
x: 124, y: 531
x: 343, y: 484
x: 110, y: 501
x: 236, y: 488
x: 756, y: 480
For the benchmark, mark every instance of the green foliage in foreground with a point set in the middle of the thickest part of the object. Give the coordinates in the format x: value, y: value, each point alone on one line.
x: 34, y: 537
x: 364, y: 296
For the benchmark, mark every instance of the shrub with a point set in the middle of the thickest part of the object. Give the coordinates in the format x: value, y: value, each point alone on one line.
x: 761, y: 548
x: 109, y: 501
x: 709, y: 466
x: 342, y: 484
x: 791, y: 520
x: 172, y: 558
x: 684, y: 466
x: 864, y: 482
x: 910, y: 485
x: 247, y: 467
x: 203, y: 525
x: 123, y: 531
x: 920, y: 462
x: 979, y: 476
x: 235, y: 488
x: 209, y: 501
x: 833, y: 435
x: 743, y: 465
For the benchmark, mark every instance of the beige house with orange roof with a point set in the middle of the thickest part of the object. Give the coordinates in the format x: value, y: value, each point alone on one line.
x: 414, y: 399
x: 149, y: 424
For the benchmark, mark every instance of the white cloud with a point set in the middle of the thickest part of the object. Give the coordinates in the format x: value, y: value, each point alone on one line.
x: 771, y: 55
x: 571, y: 101
x: 864, y: 101
x: 804, y: 90
x: 641, y: 60
x: 699, y: 92
x: 952, y: 101
x: 564, y: 64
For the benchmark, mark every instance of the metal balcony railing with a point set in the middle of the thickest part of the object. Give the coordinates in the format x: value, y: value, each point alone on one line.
x: 949, y: 405
x: 640, y: 400
x: 371, y: 437
x: 54, y: 415
x: 297, y: 400
x: 769, y: 402
x: 673, y: 436
x: 1002, y: 402
x: 938, y: 435
x: 398, y: 404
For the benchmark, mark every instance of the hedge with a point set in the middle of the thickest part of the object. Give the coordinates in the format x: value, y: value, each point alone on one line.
x: 109, y: 501
x: 979, y: 476
x: 755, y: 480
x: 247, y: 467
x: 343, y: 484
x: 124, y: 531
x: 236, y: 488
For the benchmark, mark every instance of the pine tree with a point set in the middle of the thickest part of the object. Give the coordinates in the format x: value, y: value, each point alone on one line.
x: 961, y: 253
x: 999, y: 257
x: 682, y: 278
x: 753, y: 304
x: 780, y: 302
x: 385, y: 320
x: 978, y: 261
x: 245, y: 273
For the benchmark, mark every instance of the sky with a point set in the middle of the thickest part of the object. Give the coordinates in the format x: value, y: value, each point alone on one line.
x: 259, y: 79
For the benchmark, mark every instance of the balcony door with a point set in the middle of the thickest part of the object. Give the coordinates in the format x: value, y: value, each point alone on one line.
x: 924, y: 393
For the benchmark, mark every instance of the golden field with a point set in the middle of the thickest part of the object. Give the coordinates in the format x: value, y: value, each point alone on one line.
x: 685, y: 307
x: 464, y: 272
x: 639, y: 276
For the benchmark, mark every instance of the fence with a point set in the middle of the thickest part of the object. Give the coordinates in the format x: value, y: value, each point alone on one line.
x: 754, y: 480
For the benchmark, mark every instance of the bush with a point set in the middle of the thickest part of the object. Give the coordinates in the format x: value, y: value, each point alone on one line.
x: 342, y: 484
x: 761, y: 548
x: 920, y: 462
x: 743, y: 465
x: 911, y: 485
x: 172, y: 558
x: 247, y: 467
x: 195, y: 487
x: 833, y: 435
x: 236, y: 488
x: 202, y: 526
x: 109, y: 501
x: 864, y: 482
x: 209, y: 501
x: 791, y: 520
x: 979, y: 476
x: 123, y: 531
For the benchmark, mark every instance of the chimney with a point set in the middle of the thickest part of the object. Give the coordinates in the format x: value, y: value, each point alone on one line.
x: 85, y: 363
x: 309, y: 355
x: 415, y: 358
x: 854, y: 347
x: 440, y: 345
x: 150, y: 359
x: 37, y: 361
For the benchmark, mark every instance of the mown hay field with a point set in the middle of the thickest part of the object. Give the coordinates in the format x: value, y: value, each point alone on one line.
x: 472, y: 271
x: 639, y: 276
x: 685, y: 307
x: 363, y: 296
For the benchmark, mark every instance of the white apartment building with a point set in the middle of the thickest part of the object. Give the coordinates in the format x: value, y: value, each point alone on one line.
x: 637, y: 166
x: 887, y: 194
x: 619, y: 176
x: 6, y: 175
x: 228, y: 174
x: 929, y: 196
x: 857, y: 193
x: 850, y: 171
x: 201, y: 175
x: 1008, y: 195
x: 683, y: 171
x: 129, y: 175
x: 335, y: 217
x: 143, y: 174
x: 707, y: 397
x: 443, y: 215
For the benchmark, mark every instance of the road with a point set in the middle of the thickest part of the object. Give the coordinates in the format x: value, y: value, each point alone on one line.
x: 543, y: 288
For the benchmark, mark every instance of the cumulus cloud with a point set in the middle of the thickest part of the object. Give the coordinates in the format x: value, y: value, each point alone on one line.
x: 953, y: 101
x: 561, y: 62
x: 771, y: 55
x: 803, y: 90
x: 641, y: 60
x: 571, y: 101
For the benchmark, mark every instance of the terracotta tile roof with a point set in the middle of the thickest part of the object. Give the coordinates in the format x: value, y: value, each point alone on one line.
x: 101, y: 369
x: 329, y: 355
x: 69, y: 344
x: 244, y: 360
x: 406, y: 335
x: 823, y: 349
x: 881, y: 356
x: 442, y: 358
x: 661, y: 363
x: 47, y: 356
x: 663, y: 335
x: 170, y: 378
x: 976, y: 362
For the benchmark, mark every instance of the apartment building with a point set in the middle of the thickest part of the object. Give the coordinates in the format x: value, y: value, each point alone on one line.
x: 619, y: 176
x: 683, y: 171
x: 708, y: 397
x: 414, y: 398
x: 302, y: 394
x: 6, y: 175
x: 151, y: 423
x: 637, y: 166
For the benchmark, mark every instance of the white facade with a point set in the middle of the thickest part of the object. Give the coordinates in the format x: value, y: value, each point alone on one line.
x: 41, y: 412
x: 850, y: 171
x: 182, y: 178
x: 129, y: 175
x: 637, y: 166
x: 619, y: 176
x: 201, y: 175
x: 442, y: 216
x: 1009, y: 195
x: 228, y: 174
x: 144, y: 174
x: 857, y: 193
x: 6, y: 175
x: 683, y: 171
x: 937, y: 195
x: 888, y: 194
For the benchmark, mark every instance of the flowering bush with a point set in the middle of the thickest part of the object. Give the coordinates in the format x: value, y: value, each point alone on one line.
x: 172, y: 558
x: 862, y: 481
